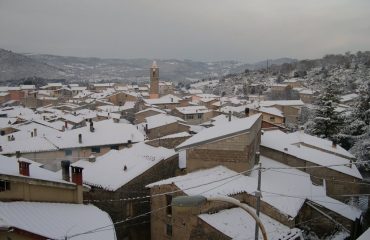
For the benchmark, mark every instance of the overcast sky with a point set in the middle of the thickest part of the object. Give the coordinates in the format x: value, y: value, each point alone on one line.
x: 213, y: 30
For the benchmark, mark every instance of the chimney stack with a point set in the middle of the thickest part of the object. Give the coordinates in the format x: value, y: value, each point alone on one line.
x: 257, y: 161
x: 1, y: 148
x: 66, y: 124
x: 91, y: 126
x: 246, y: 112
x: 77, y: 175
x: 334, y: 144
x: 35, y: 132
x: 229, y: 116
x: 92, y: 158
x: 80, y: 138
x: 65, y: 169
x: 24, y: 168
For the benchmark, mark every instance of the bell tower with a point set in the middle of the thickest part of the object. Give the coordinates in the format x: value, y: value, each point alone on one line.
x: 154, y: 81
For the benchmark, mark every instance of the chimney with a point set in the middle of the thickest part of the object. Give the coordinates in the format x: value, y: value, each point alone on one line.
x: 77, y: 175
x: 92, y: 158
x: 286, y: 149
x: 65, y: 169
x: 80, y: 138
x: 66, y: 124
x: 91, y: 126
x: 229, y: 116
x: 334, y: 144
x: 44, y: 117
x: 63, y: 128
x: 257, y: 160
x: 24, y: 168
x: 129, y: 143
x: 1, y: 148
x: 31, y: 134
x: 35, y: 132
x: 9, y: 138
x: 246, y: 112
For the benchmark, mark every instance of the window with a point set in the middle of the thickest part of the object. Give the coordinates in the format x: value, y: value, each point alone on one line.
x: 68, y: 152
x: 168, y: 203
x: 272, y: 119
x: 169, y: 229
x: 199, y: 115
x: 4, y: 185
x: 95, y: 149
x: 115, y: 147
x: 191, y: 116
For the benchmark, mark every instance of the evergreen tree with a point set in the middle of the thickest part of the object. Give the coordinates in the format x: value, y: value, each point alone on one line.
x: 356, y: 123
x: 327, y: 121
x: 363, y: 103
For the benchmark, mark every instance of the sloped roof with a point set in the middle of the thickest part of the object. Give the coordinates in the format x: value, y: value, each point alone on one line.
x: 56, y: 220
x: 9, y: 166
x: 106, y: 133
x: 161, y: 120
x: 237, y: 224
x: 220, y: 131
x: 108, y: 170
x: 280, y: 141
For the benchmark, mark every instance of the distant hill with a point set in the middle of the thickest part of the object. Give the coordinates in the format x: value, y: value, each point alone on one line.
x: 14, y: 66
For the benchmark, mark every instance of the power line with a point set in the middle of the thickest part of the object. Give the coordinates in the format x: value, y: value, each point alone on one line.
x: 327, y: 179
x: 237, y: 174
x: 180, y: 190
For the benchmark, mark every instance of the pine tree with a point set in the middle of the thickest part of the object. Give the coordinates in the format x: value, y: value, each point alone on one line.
x: 327, y: 121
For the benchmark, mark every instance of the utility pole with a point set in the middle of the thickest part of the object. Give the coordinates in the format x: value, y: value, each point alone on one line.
x: 258, y: 195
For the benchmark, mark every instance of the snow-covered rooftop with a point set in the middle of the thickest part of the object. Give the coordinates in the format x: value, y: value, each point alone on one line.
x: 57, y: 220
x: 237, y: 224
x: 220, y: 131
x: 193, y: 109
x: 281, y: 103
x: 271, y: 110
x: 161, y: 120
x: 348, y: 97
x: 106, y: 133
x: 10, y: 166
x: 108, y: 170
x: 280, y: 141
x: 151, y: 109
x: 167, y: 99
x: 285, y: 189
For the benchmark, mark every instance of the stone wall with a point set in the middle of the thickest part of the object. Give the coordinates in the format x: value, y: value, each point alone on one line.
x: 337, y: 183
x: 118, y: 210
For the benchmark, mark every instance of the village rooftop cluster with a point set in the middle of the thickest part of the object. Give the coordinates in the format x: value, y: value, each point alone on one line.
x: 105, y: 161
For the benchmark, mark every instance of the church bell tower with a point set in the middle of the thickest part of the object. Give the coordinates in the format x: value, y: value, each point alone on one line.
x: 154, y: 81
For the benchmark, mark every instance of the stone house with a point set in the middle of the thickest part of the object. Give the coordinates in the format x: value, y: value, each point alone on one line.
x: 164, y: 102
x: 194, y: 114
x: 284, y: 212
x: 232, y: 144
x: 160, y: 125
x: 270, y: 115
x: 72, y: 145
x: 120, y: 98
x: 141, y: 115
x: 118, y: 179
x: 309, y: 153
x: 33, y: 199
